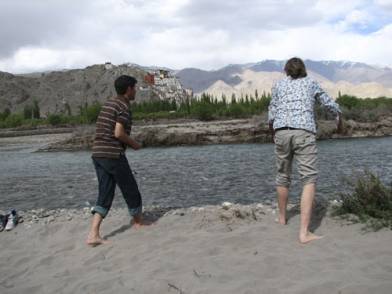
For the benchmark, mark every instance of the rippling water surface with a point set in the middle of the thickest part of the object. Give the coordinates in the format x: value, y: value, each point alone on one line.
x: 179, y: 176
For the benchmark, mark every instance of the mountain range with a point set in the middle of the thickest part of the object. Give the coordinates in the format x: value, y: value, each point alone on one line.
x: 352, y: 78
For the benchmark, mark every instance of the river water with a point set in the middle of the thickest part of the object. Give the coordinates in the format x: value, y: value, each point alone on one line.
x: 179, y: 176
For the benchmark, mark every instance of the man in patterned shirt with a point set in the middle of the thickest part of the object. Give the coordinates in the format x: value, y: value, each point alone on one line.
x: 111, y: 139
x: 292, y: 120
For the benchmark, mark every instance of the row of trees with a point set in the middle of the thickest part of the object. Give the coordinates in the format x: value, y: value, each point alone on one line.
x: 205, y: 107
x: 365, y: 110
x: 31, y: 116
x: 208, y: 107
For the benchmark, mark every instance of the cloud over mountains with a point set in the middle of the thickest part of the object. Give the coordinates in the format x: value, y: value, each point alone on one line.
x: 46, y: 35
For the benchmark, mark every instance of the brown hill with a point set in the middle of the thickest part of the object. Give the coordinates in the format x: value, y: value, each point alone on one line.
x: 53, y: 90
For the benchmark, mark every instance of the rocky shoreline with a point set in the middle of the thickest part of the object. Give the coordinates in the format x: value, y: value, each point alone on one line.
x: 45, y: 130
x: 226, y: 212
x: 187, y: 133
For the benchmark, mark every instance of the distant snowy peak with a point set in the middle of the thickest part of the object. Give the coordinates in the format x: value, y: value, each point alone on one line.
x: 268, y: 65
x: 347, y: 64
x: 341, y: 64
x: 355, y: 73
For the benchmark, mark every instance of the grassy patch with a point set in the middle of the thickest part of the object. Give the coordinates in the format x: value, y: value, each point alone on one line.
x: 369, y: 200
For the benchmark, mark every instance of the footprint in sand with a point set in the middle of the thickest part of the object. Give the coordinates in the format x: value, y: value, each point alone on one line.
x: 47, y: 260
x: 96, y: 258
x: 62, y: 274
x: 23, y: 260
x: 65, y: 249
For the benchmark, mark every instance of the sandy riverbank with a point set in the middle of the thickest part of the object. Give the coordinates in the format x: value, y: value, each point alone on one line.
x: 195, y: 250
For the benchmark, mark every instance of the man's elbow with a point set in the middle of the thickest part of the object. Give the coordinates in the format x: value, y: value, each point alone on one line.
x: 118, y: 135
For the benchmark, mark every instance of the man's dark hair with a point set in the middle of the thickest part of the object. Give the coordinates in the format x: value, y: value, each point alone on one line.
x: 295, y: 68
x: 122, y: 83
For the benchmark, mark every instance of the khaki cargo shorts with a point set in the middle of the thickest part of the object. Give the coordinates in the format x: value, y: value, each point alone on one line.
x: 298, y: 144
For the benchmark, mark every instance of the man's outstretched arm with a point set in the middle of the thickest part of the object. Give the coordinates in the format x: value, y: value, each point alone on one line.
x: 272, y: 111
x: 325, y: 100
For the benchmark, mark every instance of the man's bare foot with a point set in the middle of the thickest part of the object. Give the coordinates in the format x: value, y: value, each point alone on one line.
x: 95, y: 241
x: 138, y: 222
x: 309, y: 237
x: 282, y: 220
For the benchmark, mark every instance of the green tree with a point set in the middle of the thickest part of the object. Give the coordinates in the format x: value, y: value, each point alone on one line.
x: 92, y: 112
x: 67, y: 109
x: 28, y: 112
x: 348, y: 101
x: 233, y: 99
x: 236, y: 110
x: 224, y: 99
x: 35, y: 110
x: 203, y: 110
x: 6, y: 113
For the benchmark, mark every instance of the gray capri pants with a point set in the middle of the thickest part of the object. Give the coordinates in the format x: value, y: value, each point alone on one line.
x: 298, y: 144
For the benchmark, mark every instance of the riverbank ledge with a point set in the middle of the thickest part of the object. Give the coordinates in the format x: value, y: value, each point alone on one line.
x: 253, y: 130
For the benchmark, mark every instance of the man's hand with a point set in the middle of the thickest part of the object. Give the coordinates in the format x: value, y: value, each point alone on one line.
x: 271, y: 127
x: 340, y: 127
x: 121, y: 135
x: 135, y: 145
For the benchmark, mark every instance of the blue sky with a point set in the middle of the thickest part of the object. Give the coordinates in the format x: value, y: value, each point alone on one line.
x: 55, y: 34
x: 368, y: 17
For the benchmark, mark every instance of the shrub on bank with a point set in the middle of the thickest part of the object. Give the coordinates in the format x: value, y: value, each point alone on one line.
x: 203, y: 111
x: 236, y: 110
x: 54, y: 119
x: 12, y: 121
x: 365, y: 110
x: 369, y: 199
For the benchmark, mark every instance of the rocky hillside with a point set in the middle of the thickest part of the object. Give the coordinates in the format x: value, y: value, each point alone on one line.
x: 54, y: 90
x: 351, y: 78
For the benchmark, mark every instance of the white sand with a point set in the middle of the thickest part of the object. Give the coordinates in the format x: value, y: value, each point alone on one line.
x: 202, y: 251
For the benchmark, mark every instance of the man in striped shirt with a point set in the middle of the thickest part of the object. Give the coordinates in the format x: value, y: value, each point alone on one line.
x: 111, y: 139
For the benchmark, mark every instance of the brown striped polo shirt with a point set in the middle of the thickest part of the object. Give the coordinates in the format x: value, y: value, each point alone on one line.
x: 105, y: 144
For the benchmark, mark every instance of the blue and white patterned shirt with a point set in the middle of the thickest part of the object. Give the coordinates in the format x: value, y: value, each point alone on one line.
x: 292, y: 103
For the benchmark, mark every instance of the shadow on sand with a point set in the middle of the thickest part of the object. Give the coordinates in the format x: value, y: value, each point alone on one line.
x: 320, y: 209
x: 150, y: 216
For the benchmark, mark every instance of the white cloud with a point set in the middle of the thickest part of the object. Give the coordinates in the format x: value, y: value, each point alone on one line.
x: 29, y: 59
x: 386, y: 4
x: 356, y: 20
x: 185, y: 33
x: 358, y: 17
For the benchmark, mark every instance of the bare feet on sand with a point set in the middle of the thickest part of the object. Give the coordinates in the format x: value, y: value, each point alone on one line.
x: 95, y: 241
x: 138, y: 222
x: 309, y: 237
x: 282, y: 220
